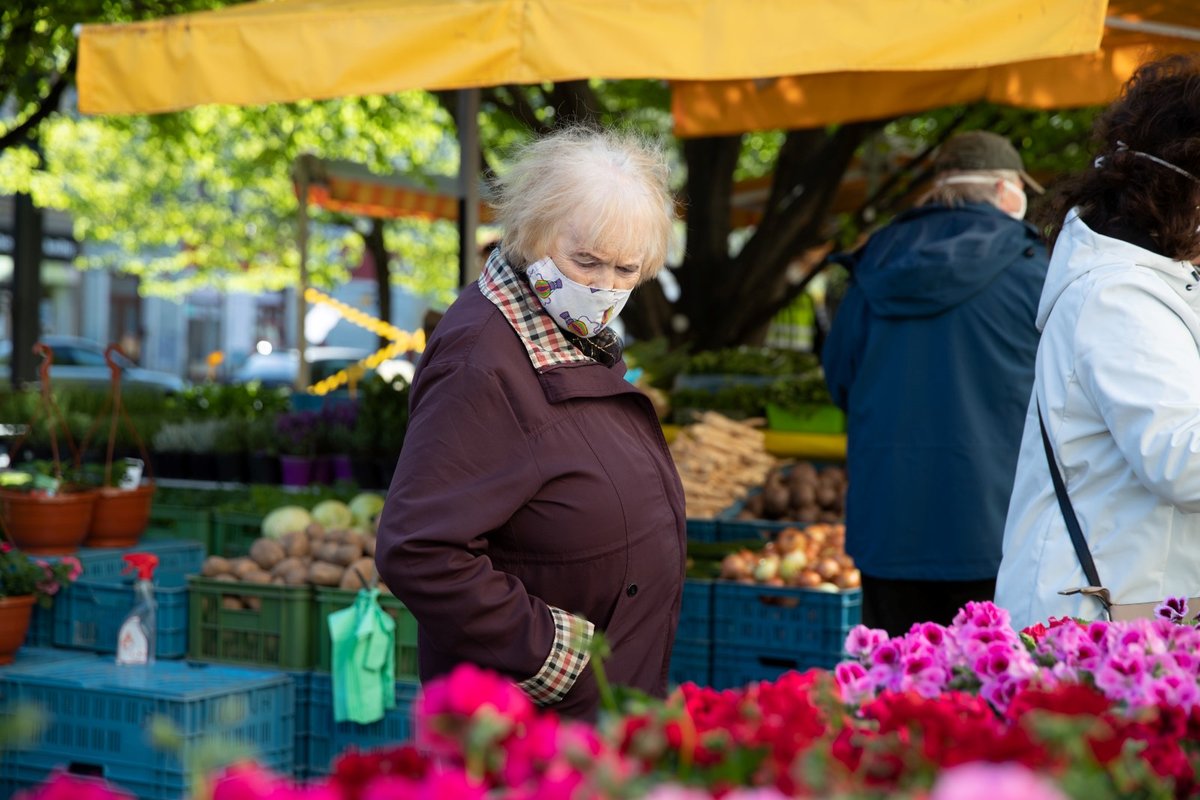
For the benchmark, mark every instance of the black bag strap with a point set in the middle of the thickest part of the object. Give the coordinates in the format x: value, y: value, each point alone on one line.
x: 1068, y: 511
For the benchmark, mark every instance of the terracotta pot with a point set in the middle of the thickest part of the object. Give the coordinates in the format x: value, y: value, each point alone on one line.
x: 14, y: 624
x: 47, y: 526
x: 121, y: 516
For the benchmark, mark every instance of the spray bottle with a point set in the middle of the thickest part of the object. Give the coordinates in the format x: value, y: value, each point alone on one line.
x: 135, y: 641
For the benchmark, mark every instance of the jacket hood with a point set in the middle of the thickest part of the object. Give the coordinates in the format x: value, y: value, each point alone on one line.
x: 1079, y: 250
x: 933, y: 258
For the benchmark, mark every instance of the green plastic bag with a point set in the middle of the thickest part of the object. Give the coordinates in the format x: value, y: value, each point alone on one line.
x: 364, y: 660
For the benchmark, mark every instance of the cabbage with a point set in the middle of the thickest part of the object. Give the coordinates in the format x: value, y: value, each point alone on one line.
x: 333, y: 514
x: 365, y: 507
x: 285, y: 519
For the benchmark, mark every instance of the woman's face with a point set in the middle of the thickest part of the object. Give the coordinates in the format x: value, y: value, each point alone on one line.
x: 595, y: 267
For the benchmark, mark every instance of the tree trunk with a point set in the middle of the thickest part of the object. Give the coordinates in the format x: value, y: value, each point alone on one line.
x: 373, y: 241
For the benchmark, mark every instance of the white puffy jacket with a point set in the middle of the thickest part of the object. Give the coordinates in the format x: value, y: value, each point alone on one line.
x: 1118, y: 377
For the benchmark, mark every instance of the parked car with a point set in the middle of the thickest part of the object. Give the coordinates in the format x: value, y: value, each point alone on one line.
x: 280, y: 367
x: 81, y: 361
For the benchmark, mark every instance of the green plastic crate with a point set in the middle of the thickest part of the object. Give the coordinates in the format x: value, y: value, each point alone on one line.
x: 180, y: 523
x: 234, y: 532
x: 329, y: 600
x: 276, y: 632
x: 813, y: 418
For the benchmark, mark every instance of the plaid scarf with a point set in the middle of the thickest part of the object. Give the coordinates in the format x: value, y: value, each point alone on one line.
x: 547, y: 344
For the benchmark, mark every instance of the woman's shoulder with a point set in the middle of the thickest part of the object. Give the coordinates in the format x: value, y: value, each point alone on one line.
x: 475, y: 334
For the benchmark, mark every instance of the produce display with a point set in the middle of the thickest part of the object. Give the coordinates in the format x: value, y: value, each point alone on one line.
x: 800, y: 493
x: 334, y: 546
x: 718, y: 461
x: 810, y: 558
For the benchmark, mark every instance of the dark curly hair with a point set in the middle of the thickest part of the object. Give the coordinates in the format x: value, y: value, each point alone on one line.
x: 1130, y: 197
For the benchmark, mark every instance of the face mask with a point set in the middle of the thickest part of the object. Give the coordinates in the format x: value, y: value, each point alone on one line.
x: 576, y: 308
x: 981, y: 180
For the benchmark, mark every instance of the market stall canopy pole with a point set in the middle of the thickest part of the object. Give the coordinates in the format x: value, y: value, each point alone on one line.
x: 1137, y: 31
x: 288, y: 50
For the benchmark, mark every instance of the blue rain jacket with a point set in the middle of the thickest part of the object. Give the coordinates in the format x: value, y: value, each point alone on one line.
x: 931, y: 356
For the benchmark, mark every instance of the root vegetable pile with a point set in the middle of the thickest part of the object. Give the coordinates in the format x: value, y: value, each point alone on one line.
x: 805, y: 494
x: 719, y: 460
x: 812, y: 558
x: 342, y: 558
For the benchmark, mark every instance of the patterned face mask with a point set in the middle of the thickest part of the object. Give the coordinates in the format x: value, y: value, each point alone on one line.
x: 577, y: 309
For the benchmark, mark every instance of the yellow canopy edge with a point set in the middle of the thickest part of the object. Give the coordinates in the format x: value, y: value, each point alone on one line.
x: 290, y: 50
x: 803, y: 101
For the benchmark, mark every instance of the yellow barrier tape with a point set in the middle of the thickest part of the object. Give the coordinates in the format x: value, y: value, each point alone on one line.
x: 402, y: 342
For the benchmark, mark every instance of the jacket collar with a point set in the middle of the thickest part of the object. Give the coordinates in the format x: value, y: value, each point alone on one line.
x: 545, y: 343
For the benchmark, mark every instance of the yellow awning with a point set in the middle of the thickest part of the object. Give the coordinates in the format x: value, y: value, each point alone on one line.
x: 310, y: 49
x: 1137, y: 31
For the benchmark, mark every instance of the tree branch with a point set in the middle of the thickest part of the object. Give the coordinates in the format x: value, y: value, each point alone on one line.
x: 579, y: 101
x: 513, y: 101
x: 45, y: 107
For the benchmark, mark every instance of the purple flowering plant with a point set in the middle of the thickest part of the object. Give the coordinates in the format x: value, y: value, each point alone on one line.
x: 298, y: 432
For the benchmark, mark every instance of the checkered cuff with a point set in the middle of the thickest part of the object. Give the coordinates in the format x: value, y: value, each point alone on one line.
x: 568, y: 656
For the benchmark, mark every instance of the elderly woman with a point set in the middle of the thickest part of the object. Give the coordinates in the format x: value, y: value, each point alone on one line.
x: 535, y: 501
x: 1115, y: 411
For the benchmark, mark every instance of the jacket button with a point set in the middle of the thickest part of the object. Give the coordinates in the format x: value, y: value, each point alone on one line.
x: 1029, y: 252
x: 632, y: 590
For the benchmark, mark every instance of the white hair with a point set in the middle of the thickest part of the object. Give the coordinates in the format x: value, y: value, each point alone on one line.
x: 618, y: 181
x: 950, y: 193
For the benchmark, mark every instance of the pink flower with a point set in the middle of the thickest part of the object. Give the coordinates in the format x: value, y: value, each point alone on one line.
x: 981, y: 615
x: 252, y: 782
x: 982, y: 781
x: 469, y: 689
x: 63, y: 786
x: 75, y: 567
x: 5, y: 547
x: 670, y: 791
x: 863, y: 641
x: 853, y: 682
x: 1173, y: 609
x: 766, y: 793
x: 444, y: 785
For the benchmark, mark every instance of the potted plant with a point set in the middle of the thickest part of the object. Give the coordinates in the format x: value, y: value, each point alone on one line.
x: 263, y: 447
x: 45, y: 510
x: 201, y: 447
x: 338, y: 439
x: 170, y: 445
x: 297, y: 431
x: 23, y: 582
x: 230, y: 447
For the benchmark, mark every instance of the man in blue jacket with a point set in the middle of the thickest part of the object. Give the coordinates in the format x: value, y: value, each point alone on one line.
x: 931, y: 356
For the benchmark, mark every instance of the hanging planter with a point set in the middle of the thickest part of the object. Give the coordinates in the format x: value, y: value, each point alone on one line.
x: 122, y: 511
x: 47, y: 525
x: 52, y: 519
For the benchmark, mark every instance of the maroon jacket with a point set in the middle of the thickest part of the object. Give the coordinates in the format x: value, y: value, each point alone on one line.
x: 521, y: 489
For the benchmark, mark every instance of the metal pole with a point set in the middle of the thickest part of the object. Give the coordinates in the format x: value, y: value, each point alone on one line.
x: 26, y: 289
x: 468, y: 184
x: 302, y: 181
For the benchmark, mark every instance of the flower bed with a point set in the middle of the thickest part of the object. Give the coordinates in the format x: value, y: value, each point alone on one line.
x: 970, y: 710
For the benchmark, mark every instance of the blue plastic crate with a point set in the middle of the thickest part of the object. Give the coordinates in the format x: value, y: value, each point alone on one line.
x: 783, y: 621
x: 178, y: 558
x: 302, y: 681
x: 41, y: 628
x: 702, y: 530
x: 695, y: 613
x: 99, y: 715
x: 34, y: 658
x: 732, y: 669
x: 691, y: 661
x: 327, y: 739
x: 88, y: 616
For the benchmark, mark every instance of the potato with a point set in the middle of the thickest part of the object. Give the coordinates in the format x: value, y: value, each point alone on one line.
x: 267, y: 553
x: 214, y: 566
x: 243, y: 566
x: 346, y: 554
x: 295, y: 543
x: 278, y: 580
x: 322, y: 573
x: 315, y: 530
x: 285, y: 565
x: 368, y: 543
x: 326, y: 551
x: 359, y: 574
x: 230, y: 602
x: 256, y: 577
x: 252, y: 603
x: 225, y: 577
x: 296, y: 576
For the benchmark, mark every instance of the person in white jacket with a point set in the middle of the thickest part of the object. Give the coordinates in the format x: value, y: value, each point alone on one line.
x: 1117, y: 376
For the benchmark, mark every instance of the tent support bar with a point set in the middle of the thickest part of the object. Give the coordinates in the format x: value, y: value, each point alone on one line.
x: 1156, y: 28
x: 468, y: 184
x: 302, y: 182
